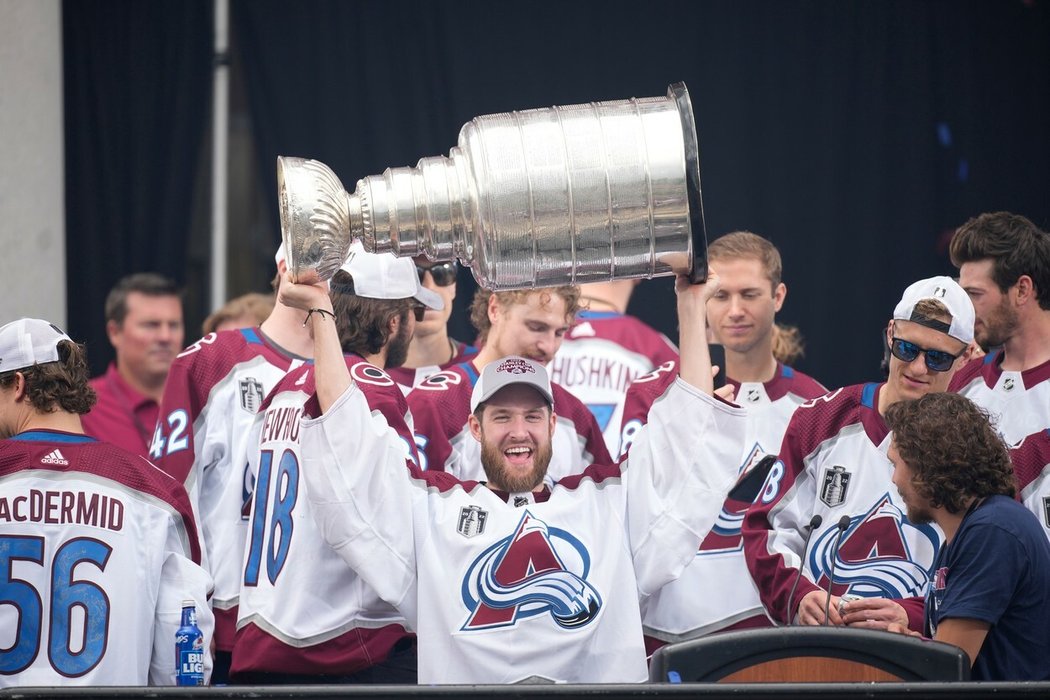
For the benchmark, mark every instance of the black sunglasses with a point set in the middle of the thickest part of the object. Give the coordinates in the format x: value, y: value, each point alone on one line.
x: 936, y: 360
x: 420, y: 311
x: 444, y: 273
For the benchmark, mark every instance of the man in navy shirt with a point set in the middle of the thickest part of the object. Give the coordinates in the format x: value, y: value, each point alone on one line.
x: 988, y: 593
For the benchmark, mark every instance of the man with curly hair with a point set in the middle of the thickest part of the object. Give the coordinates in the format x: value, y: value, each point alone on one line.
x: 98, y: 548
x: 988, y: 595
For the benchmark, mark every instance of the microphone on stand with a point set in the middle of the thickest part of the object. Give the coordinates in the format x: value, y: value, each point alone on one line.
x: 814, y: 523
x: 842, y: 526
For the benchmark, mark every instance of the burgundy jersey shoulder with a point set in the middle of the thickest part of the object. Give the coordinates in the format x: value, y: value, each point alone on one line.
x: 1031, y: 457
x: 825, y: 416
x: 789, y: 380
x: 984, y: 369
x: 626, y: 331
x: 446, y: 392
x: 644, y: 390
x: 210, y: 359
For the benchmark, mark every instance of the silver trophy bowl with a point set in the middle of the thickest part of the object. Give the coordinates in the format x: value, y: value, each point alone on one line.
x: 315, y: 219
x: 538, y: 198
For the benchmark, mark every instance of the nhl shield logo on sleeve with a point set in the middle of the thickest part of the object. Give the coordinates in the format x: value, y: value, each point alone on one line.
x: 471, y: 521
x: 251, y: 394
x: 836, y: 484
x: 1046, y: 511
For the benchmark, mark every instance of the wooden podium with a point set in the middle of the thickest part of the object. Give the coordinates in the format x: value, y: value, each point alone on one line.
x: 808, y: 655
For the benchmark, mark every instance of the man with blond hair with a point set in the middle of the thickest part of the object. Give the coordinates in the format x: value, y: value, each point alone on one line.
x: 741, y: 315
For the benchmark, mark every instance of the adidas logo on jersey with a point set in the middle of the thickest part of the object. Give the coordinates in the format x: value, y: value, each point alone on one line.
x: 54, y: 458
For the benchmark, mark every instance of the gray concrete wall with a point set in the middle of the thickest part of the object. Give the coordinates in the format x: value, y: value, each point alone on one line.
x: 32, y: 200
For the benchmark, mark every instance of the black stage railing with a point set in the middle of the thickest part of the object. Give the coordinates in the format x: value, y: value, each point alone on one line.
x: 708, y: 691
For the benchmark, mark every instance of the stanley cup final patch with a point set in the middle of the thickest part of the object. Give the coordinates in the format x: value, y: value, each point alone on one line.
x: 836, y: 484
x: 471, y: 521
x: 251, y: 394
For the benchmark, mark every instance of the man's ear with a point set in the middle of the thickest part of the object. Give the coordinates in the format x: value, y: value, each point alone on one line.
x: 494, y: 308
x: 112, y: 332
x: 780, y: 293
x: 475, y: 426
x: 20, y: 386
x: 1025, y: 290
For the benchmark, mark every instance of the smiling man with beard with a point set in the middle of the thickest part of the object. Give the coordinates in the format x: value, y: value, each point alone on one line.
x: 529, y: 323
x: 514, y: 580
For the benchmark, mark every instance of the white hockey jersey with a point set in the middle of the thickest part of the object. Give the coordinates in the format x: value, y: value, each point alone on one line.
x: 833, y: 463
x: 506, y: 587
x: 1019, y: 404
x: 98, y: 551
x: 302, y: 609
x: 676, y: 612
x: 214, y: 389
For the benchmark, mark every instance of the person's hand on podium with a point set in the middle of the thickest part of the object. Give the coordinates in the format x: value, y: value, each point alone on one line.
x: 811, y: 609
x: 875, y: 614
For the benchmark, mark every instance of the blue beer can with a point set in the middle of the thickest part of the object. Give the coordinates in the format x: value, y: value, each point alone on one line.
x: 189, y: 648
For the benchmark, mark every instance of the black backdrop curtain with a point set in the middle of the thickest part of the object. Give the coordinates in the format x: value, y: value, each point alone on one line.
x: 137, y: 98
x: 855, y: 135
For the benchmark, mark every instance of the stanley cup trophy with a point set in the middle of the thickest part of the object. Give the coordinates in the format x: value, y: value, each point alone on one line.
x: 543, y: 197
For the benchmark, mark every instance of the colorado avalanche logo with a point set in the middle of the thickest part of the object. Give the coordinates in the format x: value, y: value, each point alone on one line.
x: 368, y: 373
x: 440, y: 381
x: 536, y: 571
x: 881, y: 554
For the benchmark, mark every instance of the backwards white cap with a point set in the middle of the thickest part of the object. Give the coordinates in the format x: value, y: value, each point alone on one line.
x: 948, y: 292
x: 27, y: 342
x: 384, y: 276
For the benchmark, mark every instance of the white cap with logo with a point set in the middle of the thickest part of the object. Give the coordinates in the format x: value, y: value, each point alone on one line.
x: 948, y: 292
x: 384, y: 276
x: 27, y: 342
x: 511, y: 370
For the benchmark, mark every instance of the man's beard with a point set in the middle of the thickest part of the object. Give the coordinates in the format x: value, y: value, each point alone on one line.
x: 999, y: 327
x: 397, y: 347
x: 918, y: 516
x: 493, y: 460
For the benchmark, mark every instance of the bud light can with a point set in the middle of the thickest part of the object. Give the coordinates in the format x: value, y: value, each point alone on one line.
x: 189, y: 648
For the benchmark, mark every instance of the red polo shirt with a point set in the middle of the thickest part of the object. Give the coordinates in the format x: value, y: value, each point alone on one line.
x: 122, y: 416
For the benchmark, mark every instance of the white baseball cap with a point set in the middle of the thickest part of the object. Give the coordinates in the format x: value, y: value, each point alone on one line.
x: 948, y: 292
x: 511, y: 370
x: 384, y: 276
x: 27, y: 342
